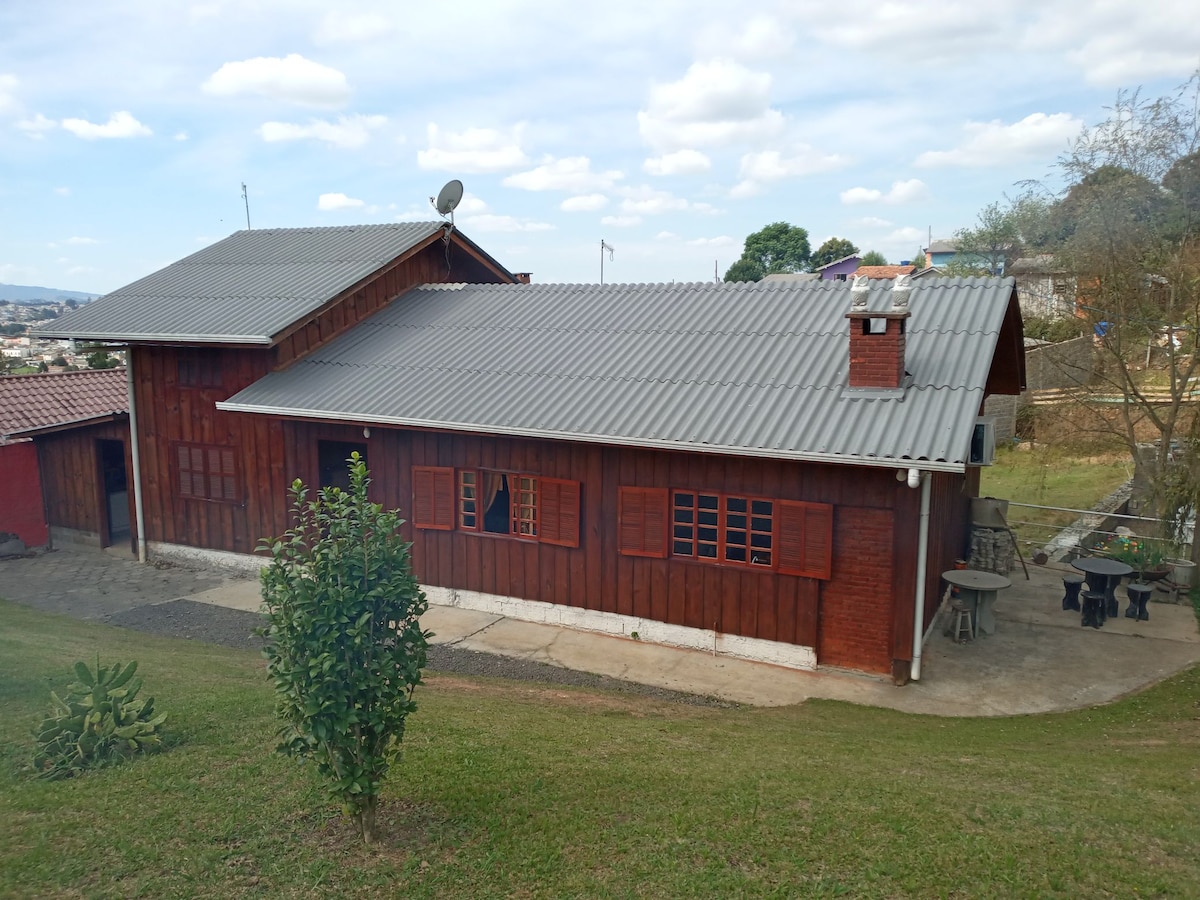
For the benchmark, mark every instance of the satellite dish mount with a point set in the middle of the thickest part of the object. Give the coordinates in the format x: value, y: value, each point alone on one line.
x: 448, y: 199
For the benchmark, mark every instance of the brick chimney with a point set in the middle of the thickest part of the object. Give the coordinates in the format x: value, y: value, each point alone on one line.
x: 877, y: 336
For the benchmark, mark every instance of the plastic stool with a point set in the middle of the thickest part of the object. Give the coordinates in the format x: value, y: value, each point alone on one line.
x: 962, y: 622
x: 1071, y: 587
x: 1093, y: 609
x: 1139, y: 595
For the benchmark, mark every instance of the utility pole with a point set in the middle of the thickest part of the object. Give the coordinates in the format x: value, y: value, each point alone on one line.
x: 246, y: 200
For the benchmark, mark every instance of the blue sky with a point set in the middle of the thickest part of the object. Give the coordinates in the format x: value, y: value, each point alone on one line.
x: 669, y: 129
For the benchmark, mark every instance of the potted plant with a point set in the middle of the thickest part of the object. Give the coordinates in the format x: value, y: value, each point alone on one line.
x: 1146, y: 557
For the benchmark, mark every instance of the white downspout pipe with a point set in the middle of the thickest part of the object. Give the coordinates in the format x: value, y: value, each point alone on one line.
x: 922, y: 568
x: 137, y: 458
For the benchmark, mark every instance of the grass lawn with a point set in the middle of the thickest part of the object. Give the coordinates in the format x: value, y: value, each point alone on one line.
x: 515, y: 789
x: 1047, y: 476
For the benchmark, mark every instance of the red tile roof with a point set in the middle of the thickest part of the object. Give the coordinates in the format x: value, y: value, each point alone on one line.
x: 884, y: 271
x: 33, y: 403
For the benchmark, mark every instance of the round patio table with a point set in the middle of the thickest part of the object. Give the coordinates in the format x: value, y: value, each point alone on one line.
x: 1103, y: 575
x: 978, y: 590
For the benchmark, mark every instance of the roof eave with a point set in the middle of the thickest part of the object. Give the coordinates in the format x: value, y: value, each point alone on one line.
x: 649, y: 443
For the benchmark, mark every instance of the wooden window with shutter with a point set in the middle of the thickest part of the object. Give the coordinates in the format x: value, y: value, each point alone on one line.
x: 558, y: 511
x: 433, y: 497
x: 207, y: 472
x: 805, y: 538
x: 642, y: 521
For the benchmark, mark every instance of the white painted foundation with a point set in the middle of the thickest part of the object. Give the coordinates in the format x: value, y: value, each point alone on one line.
x: 792, y: 656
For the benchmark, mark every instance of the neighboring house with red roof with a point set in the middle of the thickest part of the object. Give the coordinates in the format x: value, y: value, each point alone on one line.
x: 884, y: 272
x: 65, y: 454
x: 777, y: 470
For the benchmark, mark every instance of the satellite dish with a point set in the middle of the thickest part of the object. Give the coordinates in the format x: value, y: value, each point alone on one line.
x: 449, y: 197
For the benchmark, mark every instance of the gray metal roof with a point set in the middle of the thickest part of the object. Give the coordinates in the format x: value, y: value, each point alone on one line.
x: 757, y: 369
x: 244, y: 289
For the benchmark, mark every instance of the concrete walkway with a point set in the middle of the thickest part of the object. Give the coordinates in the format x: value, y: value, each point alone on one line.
x: 1039, y: 660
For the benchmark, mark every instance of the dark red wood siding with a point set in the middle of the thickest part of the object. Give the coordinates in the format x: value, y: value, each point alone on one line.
x: 21, y: 508
x: 861, y: 618
x: 70, y: 474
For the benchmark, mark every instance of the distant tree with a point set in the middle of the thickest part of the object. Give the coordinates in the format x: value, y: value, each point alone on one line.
x: 744, y: 270
x: 100, y: 359
x: 833, y: 249
x: 13, y: 329
x: 873, y: 258
x: 42, y: 367
x: 59, y: 361
x: 779, y: 247
x: 71, y: 304
x: 987, y: 248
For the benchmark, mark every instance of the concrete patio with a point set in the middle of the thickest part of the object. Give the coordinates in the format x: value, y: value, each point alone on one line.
x: 1039, y: 660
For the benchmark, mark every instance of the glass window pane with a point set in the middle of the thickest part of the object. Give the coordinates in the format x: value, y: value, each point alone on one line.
x: 682, y: 548
x: 708, y: 551
x: 735, y: 504
x: 685, y: 499
x: 760, y: 558
x: 761, y: 507
x: 735, y: 554
x: 735, y: 537
x: 761, y: 540
x: 708, y: 501
x: 683, y: 531
x: 708, y: 518
x: 735, y: 521
x: 760, y: 524
x: 683, y: 515
x: 708, y: 534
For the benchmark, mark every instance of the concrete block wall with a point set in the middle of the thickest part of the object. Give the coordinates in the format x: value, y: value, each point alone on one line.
x: 1048, y: 367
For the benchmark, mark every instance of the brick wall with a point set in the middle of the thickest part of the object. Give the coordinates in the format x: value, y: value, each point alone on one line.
x: 21, y: 510
x: 855, y: 624
x: 876, y: 360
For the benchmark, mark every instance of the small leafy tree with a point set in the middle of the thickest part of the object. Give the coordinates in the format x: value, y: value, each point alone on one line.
x: 344, y: 643
x: 874, y: 258
x: 778, y: 247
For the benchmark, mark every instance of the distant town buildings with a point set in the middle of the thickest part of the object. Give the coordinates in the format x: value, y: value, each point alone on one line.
x: 22, y: 354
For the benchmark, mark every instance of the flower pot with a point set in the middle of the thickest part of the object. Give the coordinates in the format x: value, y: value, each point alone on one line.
x: 1183, y: 572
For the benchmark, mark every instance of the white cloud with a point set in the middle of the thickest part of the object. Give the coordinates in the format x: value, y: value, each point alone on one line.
x: 476, y: 150
x: 80, y: 241
x: 872, y: 222
x: 338, y: 201
x: 906, y: 235
x: 119, y: 125
x: 621, y: 221
x: 493, y: 222
x: 584, y: 203
x: 758, y: 169
x: 62, y: 191
x: 180, y: 136
x: 681, y: 162
x: 666, y: 236
x: 1037, y: 136
x: 8, y: 94
x: 721, y: 240
x: 347, y: 132
x: 645, y: 200
x: 908, y: 191
x: 715, y: 103
x: 338, y: 27
x: 37, y: 126
x: 570, y: 173
x: 293, y: 78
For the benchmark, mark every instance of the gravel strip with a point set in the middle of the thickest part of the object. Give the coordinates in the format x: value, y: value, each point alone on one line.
x: 234, y: 628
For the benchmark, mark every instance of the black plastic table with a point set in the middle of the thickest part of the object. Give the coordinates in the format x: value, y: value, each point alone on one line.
x: 978, y: 590
x: 1103, y: 575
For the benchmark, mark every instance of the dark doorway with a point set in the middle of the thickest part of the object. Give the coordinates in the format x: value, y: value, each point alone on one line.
x: 332, y: 466
x: 114, y: 487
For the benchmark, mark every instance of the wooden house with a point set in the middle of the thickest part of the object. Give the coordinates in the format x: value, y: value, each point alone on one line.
x: 64, y: 457
x: 775, y: 471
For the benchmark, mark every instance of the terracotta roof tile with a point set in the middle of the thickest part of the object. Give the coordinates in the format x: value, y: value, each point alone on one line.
x: 31, y: 403
x: 884, y: 271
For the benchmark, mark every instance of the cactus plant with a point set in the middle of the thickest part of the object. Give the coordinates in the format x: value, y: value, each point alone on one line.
x: 99, y: 721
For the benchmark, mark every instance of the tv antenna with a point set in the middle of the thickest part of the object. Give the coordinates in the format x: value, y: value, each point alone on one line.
x: 246, y: 200
x: 604, y: 247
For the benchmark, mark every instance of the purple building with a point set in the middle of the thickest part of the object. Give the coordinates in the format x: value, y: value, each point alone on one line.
x: 839, y: 269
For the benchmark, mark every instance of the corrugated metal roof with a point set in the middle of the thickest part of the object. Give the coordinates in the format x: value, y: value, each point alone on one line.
x: 33, y: 403
x: 745, y: 368
x: 243, y: 289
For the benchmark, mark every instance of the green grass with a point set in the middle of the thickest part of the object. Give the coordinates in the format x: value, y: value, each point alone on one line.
x: 516, y: 789
x: 1047, y: 476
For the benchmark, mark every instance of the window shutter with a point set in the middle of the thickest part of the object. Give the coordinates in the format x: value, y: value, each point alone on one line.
x: 642, y: 521
x: 558, y: 511
x: 805, y: 539
x: 433, y: 497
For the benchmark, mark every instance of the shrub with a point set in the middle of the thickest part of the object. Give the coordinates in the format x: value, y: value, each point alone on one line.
x: 344, y: 643
x: 99, y: 722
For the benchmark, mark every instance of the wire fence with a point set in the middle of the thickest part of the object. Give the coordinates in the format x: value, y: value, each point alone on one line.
x: 1056, y: 529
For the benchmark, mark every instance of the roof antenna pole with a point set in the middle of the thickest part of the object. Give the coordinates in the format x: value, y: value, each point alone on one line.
x: 604, y: 246
x: 246, y: 200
